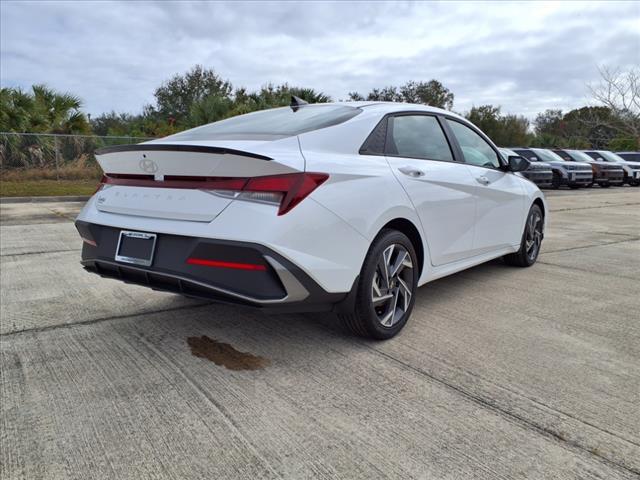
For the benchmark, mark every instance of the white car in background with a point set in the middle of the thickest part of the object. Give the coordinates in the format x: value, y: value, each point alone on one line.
x: 346, y: 207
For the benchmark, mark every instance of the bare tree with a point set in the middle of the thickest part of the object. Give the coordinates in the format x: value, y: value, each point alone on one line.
x: 619, y: 91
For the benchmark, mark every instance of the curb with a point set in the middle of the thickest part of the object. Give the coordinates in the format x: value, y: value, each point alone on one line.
x: 66, y: 198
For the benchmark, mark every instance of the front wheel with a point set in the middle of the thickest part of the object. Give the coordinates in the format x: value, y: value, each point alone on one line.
x: 531, y: 241
x: 386, y: 288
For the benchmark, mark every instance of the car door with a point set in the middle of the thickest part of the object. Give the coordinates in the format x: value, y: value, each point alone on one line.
x: 500, y: 195
x: 441, y: 189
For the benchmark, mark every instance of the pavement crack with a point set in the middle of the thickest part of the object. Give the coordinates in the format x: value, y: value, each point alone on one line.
x: 97, y: 320
x: 227, y: 418
x: 618, y: 275
x: 610, y: 205
x: 485, y: 403
x: 633, y: 239
x: 37, y: 253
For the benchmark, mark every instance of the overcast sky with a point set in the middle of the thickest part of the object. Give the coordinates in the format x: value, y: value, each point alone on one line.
x: 525, y: 57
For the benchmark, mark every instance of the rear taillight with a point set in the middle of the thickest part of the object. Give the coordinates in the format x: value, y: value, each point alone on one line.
x: 286, y: 190
x: 292, y: 188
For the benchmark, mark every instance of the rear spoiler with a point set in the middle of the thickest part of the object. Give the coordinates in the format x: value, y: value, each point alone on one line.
x: 164, y: 147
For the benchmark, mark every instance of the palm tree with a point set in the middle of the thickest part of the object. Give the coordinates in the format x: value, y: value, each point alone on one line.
x: 58, y: 112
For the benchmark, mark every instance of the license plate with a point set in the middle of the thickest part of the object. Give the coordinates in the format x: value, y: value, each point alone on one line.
x: 136, y: 248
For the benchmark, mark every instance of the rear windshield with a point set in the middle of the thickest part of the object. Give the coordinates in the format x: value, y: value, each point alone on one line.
x: 271, y: 124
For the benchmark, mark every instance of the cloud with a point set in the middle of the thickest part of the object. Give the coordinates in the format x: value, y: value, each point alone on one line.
x: 523, y: 56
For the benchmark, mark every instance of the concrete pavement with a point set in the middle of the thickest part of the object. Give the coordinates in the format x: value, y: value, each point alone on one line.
x: 501, y: 372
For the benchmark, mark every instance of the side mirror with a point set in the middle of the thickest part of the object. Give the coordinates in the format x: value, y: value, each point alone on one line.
x: 517, y: 163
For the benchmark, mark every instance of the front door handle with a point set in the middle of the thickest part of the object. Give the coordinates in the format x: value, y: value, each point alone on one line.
x: 411, y: 171
x: 483, y: 180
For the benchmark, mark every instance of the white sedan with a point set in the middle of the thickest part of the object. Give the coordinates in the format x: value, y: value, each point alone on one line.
x: 345, y: 207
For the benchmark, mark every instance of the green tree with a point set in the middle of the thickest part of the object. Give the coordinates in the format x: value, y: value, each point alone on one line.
x: 116, y: 124
x: 43, y: 110
x: 549, y: 123
x: 176, y: 98
x: 504, y: 130
x: 271, y: 96
x: 432, y: 93
x: 595, y: 126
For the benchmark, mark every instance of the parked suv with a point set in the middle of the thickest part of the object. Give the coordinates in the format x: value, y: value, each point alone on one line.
x: 604, y: 174
x: 539, y: 173
x: 631, y: 169
x: 572, y: 174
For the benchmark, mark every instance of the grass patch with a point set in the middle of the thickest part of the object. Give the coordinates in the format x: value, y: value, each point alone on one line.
x: 42, y: 188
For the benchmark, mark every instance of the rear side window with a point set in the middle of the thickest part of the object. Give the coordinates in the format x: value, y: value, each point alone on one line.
x: 271, y: 124
x: 475, y: 149
x: 418, y: 136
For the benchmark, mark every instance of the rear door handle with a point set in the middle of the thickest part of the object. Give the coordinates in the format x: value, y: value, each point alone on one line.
x: 411, y: 172
x: 483, y: 180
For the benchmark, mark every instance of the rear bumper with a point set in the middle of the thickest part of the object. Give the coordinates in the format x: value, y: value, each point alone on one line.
x: 278, y: 285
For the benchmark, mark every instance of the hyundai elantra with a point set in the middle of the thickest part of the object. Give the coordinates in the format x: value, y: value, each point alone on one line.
x: 345, y: 207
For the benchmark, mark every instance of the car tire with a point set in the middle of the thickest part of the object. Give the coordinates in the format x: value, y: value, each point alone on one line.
x: 384, y: 301
x: 573, y: 186
x: 528, y: 252
x: 555, y: 183
x: 604, y: 185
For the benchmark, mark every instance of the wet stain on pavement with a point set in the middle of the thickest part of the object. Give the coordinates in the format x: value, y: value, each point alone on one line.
x: 225, y: 355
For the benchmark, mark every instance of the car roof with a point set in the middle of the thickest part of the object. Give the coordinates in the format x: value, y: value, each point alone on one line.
x: 391, y: 107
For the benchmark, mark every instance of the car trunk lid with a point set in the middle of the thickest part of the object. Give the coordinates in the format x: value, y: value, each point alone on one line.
x: 178, y: 180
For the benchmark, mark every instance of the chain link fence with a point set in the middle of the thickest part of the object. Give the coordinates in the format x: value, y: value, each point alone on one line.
x: 43, y: 156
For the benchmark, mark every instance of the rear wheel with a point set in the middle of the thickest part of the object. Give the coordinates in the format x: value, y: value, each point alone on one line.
x: 531, y: 241
x: 386, y: 287
x: 604, y: 185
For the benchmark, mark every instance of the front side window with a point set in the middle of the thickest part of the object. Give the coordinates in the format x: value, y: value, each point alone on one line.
x: 475, y: 149
x: 418, y: 136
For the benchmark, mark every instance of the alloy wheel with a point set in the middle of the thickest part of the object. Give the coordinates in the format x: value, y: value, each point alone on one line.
x: 533, y: 237
x: 392, y: 285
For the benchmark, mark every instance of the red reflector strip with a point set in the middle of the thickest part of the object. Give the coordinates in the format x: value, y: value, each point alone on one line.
x: 90, y: 242
x: 221, y: 264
